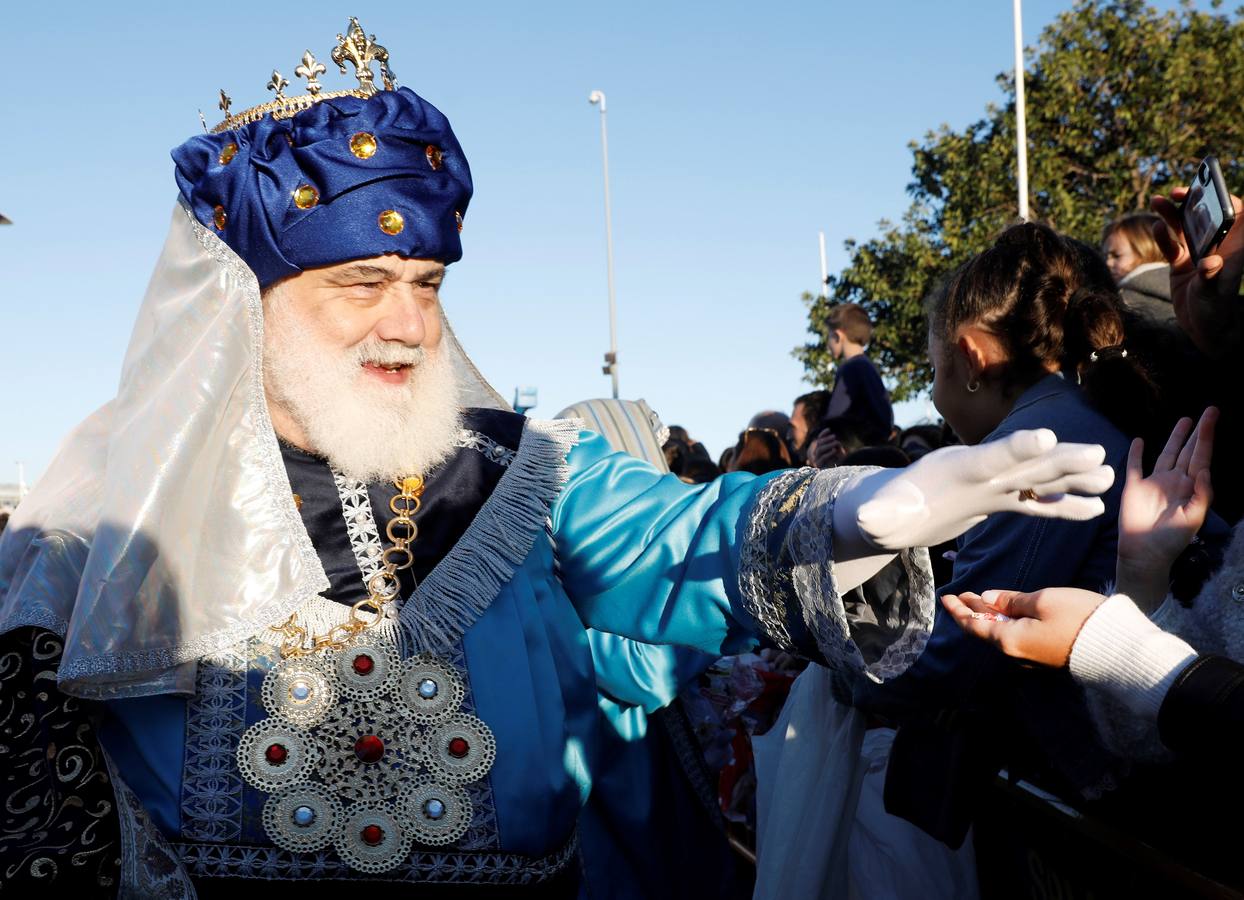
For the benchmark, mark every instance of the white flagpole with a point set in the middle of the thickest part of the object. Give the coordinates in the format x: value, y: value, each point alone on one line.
x: 1021, y: 125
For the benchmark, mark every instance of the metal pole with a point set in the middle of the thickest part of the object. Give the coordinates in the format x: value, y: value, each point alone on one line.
x: 1021, y: 124
x: 611, y: 358
x: 824, y: 267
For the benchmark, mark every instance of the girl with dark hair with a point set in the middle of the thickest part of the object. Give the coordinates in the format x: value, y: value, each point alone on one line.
x: 1026, y: 309
x: 1024, y: 335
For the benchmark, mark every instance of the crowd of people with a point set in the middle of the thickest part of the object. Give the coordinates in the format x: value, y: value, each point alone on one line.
x: 1125, y: 345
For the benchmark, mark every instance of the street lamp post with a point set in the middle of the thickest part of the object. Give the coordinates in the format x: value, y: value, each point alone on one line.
x: 611, y: 358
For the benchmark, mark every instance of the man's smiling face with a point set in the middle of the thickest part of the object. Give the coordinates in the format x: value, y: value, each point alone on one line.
x: 353, y: 369
x: 382, y: 309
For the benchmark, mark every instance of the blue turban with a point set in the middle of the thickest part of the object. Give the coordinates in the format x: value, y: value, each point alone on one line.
x: 346, y: 179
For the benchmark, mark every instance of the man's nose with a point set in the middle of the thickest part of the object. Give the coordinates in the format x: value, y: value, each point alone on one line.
x: 403, y: 320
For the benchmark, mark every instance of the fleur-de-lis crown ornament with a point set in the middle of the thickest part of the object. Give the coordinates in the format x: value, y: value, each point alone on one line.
x: 278, y: 83
x: 355, y: 47
x: 310, y: 69
x: 359, y: 49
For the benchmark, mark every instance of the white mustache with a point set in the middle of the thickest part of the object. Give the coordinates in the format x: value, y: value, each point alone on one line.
x: 388, y: 353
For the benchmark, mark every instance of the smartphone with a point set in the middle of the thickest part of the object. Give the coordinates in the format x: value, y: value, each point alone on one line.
x: 1206, y: 213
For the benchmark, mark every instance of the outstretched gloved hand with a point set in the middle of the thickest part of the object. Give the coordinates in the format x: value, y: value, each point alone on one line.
x: 950, y: 490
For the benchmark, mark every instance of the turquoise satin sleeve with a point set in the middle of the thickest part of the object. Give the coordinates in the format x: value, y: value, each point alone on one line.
x: 648, y: 676
x: 646, y: 556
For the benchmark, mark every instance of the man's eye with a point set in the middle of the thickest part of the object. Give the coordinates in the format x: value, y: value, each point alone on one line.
x: 428, y: 285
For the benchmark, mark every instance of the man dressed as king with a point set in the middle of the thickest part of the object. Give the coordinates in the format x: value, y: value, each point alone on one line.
x: 307, y: 602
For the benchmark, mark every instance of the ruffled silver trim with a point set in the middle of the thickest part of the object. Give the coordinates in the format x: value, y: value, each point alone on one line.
x: 763, y: 598
x: 808, y: 551
x: 786, y: 577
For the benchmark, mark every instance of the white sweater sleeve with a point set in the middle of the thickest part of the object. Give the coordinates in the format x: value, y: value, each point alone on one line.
x: 1120, y: 652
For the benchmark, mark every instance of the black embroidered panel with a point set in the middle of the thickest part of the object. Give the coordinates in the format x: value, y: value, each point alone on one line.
x: 59, y: 827
x: 453, y: 494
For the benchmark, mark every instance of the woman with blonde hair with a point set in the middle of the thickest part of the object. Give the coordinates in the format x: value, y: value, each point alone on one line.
x: 1138, y: 266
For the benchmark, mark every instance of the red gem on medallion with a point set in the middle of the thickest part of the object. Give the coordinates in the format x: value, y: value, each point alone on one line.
x: 372, y: 835
x: 364, y: 664
x: 369, y: 748
x: 458, y: 748
x: 276, y: 755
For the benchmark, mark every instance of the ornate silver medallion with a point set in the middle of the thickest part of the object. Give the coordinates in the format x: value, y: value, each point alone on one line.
x: 365, y: 752
x: 431, y: 690
x: 300, y: 691
x: 367, y: 670
x: 435, y: 813
x: 302, y: 818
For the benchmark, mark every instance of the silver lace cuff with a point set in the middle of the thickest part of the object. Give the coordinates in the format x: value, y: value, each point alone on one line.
x: 786, y: 576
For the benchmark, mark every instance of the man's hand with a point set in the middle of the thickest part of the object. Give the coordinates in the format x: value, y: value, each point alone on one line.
x: 1205, y: 295
x: 1040, y: 627
x: 826, y: 451
x: 951, y: 489
x: 1159, y: 515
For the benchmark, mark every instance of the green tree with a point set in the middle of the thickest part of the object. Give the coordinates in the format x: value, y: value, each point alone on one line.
x: 1123, y: 101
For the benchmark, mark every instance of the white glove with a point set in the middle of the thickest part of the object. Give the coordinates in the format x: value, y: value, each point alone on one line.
x: 950, y: 490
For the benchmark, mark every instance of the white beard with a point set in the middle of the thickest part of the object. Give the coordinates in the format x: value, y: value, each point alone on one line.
x: 367, y: 431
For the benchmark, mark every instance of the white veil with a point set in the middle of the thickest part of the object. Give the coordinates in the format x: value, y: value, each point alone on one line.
x: 165, y: 528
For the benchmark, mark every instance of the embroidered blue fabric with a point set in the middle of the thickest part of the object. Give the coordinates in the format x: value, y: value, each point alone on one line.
x: 620, y: 531
x: 254, y: 184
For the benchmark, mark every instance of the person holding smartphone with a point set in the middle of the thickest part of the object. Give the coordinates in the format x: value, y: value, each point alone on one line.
x: 1205, y: 291
x: 1205, y: 287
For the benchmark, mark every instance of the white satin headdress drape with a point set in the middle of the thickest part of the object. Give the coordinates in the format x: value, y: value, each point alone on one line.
x: 165, y: 528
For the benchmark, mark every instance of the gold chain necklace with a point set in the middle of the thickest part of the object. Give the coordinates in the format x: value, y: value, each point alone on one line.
x: 382, y: 588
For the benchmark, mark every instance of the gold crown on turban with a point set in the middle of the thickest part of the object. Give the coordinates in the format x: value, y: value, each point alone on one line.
x: 355, y: 47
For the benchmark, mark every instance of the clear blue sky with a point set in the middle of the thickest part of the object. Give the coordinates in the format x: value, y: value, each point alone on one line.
x: 737, y: 131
